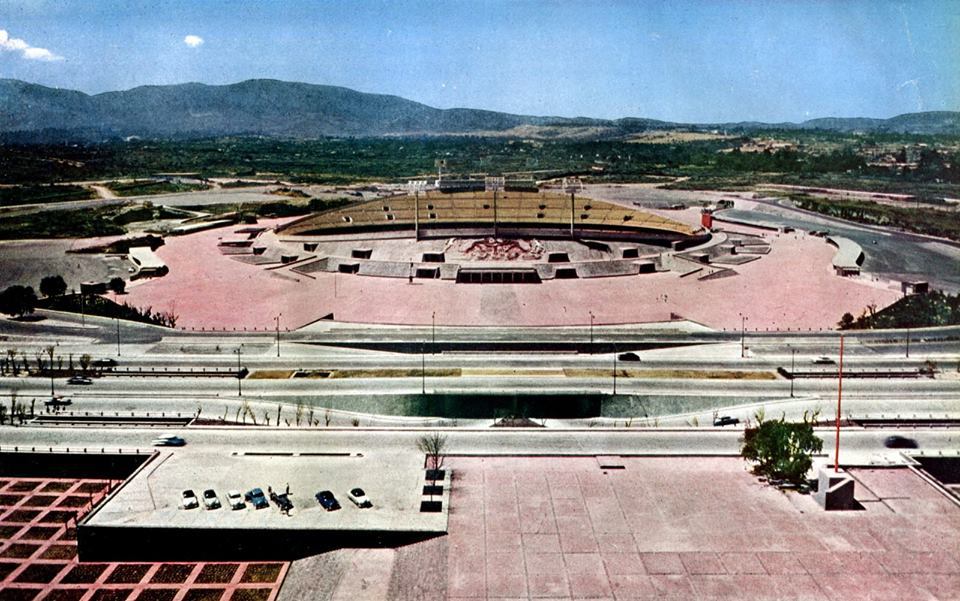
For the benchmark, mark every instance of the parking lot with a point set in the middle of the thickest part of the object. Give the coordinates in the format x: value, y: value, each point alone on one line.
x: 393, y: 482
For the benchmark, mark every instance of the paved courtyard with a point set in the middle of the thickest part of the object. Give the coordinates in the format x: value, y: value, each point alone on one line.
x: 206, y: 289
x: 564, y: 528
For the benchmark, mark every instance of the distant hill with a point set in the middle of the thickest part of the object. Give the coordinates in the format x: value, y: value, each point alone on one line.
x: 273, y: 108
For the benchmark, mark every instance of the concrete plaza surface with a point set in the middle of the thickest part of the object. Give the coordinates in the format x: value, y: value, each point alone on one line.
x: 660, y: 528
x: 393, y: 482
x: 207, y: 289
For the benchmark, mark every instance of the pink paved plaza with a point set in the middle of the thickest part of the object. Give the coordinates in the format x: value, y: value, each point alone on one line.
x: 791, y: 287
x: 690, y: 529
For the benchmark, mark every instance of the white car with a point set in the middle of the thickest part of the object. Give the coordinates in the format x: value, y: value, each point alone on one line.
x: 235, y: 500
x: 188, y: 500
x: 168, y: 440
x: 210, y: 500
x: 359, y: 498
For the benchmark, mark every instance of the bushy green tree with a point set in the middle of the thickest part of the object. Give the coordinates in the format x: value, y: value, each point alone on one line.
x: 18, y: 300
x: 781, y: 450
x: 52, y: 285
x: 118, y: 285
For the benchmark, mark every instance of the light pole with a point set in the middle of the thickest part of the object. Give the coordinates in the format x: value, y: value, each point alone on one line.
x: 239, y: 376
x: 793, y: 363
x: 277, y: 319
x: 743, y: 333
x: 423, y: 371
x: 118, y: 336
x: 908, y: 343
x: 614, y: 369
x: 433, y: 333
x: 591, y: 331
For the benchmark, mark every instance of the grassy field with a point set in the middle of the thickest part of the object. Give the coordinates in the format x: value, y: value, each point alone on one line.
x: 671, y: 374
x: 148, y: 187
x: 20, y: 195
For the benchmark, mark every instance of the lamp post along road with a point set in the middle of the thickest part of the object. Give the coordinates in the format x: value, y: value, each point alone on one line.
x: 793, y: 363
x: 743, y: 334
x: 277, y: 319
x: 239, y: 376
x: 118, y: 336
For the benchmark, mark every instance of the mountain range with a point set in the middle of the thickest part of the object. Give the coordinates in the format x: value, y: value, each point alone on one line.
x: 264, y: 107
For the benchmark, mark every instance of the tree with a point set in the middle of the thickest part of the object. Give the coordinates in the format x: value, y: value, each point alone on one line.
x: 782, y: 450
x: 85, y: 361
x: 434, y: 446
x: 846, y: 321
x: 118, y: 285
x: 52, y: 285
x: 18, y: 300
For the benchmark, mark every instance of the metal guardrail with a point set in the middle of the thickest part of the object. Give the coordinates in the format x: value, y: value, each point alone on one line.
x: 855, y: 373
x: 80, y: 450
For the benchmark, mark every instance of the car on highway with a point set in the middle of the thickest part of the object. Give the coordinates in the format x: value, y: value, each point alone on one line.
x: 726, y: 420
x: 210, y: 499
x: 188, y: 500
x: 105, y: 362
x: 168, y: 440
x: 58, y: 401
x: 628, y: 357
x: 359, y: 498
x: 235, y: 499
x: 823, y: 361
x: 899, y: 442
x: 256, y: 498
x: 327, y: 500
x: 81, y: 380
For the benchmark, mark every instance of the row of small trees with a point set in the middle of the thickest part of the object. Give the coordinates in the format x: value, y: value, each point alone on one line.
x: 15, y: 362
x: 18, y: 300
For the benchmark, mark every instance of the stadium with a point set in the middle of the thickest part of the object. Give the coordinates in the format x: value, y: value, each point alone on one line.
x: 488, y: 236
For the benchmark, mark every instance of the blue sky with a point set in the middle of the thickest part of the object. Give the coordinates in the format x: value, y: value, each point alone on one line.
x: 700, y: 61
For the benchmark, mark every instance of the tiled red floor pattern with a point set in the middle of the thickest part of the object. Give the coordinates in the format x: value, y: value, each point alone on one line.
x: 697, y: 529
x: 38, y: 555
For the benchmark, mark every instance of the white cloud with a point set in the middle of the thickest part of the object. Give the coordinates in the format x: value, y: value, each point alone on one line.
x: 27, y: 51
x: 193, y: 41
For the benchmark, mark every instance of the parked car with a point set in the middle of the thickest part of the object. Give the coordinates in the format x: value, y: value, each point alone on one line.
x: 726, y: 420
x: 899, y: 442
x: 210, y: 500
x: 256, y: 498
x: 327, y: 500
x: 189, y: 500
x: 628, y: 357
x: 81, y: 380
x: 282, y: 501
x: 58, y: 401
x: 823, y: 361
x: 105, y: 362
x: 359, y: 498
x: 168, y: 440
x: 235, y: 500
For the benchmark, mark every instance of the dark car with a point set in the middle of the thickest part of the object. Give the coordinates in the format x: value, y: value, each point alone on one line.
x: 80, y: 380
x: 327, y: 500
x: 282, y: 501
x: 899, y: 442
x: 256, y: 498
x: 628, y: 357
x: 58, y: 401
x: 824, y: 361
x: 726, y: 420
x: 105, y: 362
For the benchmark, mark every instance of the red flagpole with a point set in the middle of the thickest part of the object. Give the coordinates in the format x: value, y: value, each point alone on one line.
x: 836, y: 453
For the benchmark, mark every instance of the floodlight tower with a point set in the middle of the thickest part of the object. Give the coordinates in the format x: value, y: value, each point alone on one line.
x: 495, y: 184
x: 415, y: 185
x: 570, y: 187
